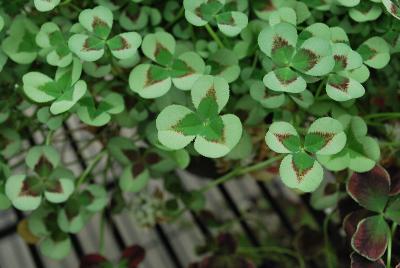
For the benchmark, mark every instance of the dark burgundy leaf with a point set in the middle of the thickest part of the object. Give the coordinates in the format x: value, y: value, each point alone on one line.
x: 351, y: 221
x: 134, y: 255
x: 370, y: 189
x: 358, y: 261
x: 92, y: 261
x: 370, y: 238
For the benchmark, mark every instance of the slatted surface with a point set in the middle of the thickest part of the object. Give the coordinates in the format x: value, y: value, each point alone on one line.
x: 166, y: 245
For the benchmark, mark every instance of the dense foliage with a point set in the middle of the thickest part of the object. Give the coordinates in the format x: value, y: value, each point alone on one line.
x: 307, y: 90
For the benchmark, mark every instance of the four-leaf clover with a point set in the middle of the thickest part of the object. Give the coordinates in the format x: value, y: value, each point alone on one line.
x: 299, y: 169
x: 214, y: 135
x: 155, y: 80
x: 293, y: 62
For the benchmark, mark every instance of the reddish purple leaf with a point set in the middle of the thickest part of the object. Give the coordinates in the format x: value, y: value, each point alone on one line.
x: 370, y: 189
x: 370, y: 238
x: 92, y: 261
x: 134, y: 255
x: 352, y: 219
x: 358, y: 261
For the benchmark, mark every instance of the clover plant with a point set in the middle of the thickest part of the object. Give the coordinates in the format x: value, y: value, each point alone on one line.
x: 110, y: 106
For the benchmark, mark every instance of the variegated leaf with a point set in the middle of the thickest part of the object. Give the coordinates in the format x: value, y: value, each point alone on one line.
x: 285, y: 80
x: 187, y: 69
x: 279, y: 39
x: 341, y: 88
x: 166, y: 123
x: 314, y: 57
x: 325, y: 136
x: 98, y: 21
x: 150, y: 81
x: 282, y: 137
x: 125, y: 45
x: 232, y: 132
x: 301, y: 171
x: 210, y: 86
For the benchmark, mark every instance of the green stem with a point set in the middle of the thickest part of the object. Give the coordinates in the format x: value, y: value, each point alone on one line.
x: 214, y: 36
x: 269, y: 249
x: 319, y: 89
x: 328, y: 246
x: 66, y: 2
x: 90, y: 168
x: 389, y: 247
x: 240, y: 171
x: 49, y: 136
x: 382, y: 115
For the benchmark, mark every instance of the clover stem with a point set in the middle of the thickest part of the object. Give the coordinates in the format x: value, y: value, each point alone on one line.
x: 49, y: 136
x: 319, y: 89
x: 328, y: 246
x: 214, y: 36
x: 240, y: 171
x: 90, y: 168
x: 389, y: 247
x: 383, y: 115
x: 65, y: 2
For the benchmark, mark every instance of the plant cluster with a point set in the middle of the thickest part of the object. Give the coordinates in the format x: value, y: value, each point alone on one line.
x: 307, y: 90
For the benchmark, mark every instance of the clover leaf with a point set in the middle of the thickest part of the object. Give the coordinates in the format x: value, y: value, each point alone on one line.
x: 202, y: 12
x: 376, y: 191
x: 393, y: 7
x: 344, y: 81
x: 340, y: 85
x: 155, y: 80
x: 10, y: 142
x: 365, y: 11
x: 97, y: 112
x: 276, y: 11
x: 63, y: 92
x: 214, y: 135
x: 26, y: 191
x: 375, y: 52
x: 98, y: 22
x: 54, y: 243
x: 46, y: 5
x: 299, y: 169
x: 361, y: 151
x: 312, y: 58
x: 272, y: 100
x: 20, y: 45
x: 53, y: 41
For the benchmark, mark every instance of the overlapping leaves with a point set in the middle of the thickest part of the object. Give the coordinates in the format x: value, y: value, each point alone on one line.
x: 299, y: 169
x: 361, y: 151
x: 377, y: 192
x: 98, y: 23
x: 202, y: 12
x: 155, y: 80
x: 293, y: 61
